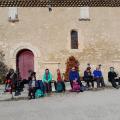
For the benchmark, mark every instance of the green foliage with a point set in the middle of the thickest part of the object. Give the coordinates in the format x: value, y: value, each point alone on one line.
x: 71, y: 62
x: 3, y: 68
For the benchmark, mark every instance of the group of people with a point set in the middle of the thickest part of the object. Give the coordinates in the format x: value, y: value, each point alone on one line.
x: 39, y: 88
x: 97, y: 77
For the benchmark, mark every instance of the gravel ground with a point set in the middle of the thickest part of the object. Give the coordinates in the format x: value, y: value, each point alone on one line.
x: 90, y: 105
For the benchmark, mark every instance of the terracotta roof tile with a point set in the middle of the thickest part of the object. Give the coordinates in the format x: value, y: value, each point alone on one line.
x: 59, y: 3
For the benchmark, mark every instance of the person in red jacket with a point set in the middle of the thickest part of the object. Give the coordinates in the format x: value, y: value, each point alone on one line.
x: 59, y: 80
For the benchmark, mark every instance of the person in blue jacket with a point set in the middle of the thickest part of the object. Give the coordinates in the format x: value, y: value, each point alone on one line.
x: 74, y: 76
x: 98, y: 77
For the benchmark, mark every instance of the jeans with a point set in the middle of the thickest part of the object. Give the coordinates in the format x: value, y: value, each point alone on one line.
x: 31, y: 93
x: 48, y: 87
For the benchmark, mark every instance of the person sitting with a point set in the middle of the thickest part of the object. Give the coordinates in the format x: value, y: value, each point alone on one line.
x: 98, y: 77
x: 74, y: 77
x: 88, y: 78
x: 32, y: 86
x: 40, y: 89
x: 47, y: 78
x: 59, y: 83
x: 14, y: 82
x: 113, y: 78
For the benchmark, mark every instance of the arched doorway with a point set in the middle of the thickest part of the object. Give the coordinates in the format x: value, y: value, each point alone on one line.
x: 24, y: 62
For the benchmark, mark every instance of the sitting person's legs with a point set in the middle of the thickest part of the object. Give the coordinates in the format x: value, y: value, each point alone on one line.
x: 71, y: 83
x: 63, y: 84
x: 92, y: 82
x: 87, y: 82
x: 30, y: 93
x: 97, y: 81
x: 113, y: 83
x: 33, y: 92
x: 102, y: 82
x: 55, y: 85
x: 118, y: 81
x: 48, y: 87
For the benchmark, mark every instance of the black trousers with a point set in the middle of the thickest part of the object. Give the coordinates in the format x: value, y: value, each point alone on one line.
x: 100, y: 82
x: 63, y: 85
x: 31, y: 93
x: 114, y: 82
x: 117, y: 81
x: 88, y: 81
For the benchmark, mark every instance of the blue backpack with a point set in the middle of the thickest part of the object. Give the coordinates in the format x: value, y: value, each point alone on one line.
x: 59, y: 87
x: 39, y: 93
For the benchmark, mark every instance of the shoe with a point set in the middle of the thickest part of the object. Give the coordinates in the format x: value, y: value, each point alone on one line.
x: 117, y: 87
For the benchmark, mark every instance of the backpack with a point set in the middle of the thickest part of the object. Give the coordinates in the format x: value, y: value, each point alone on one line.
x: 40, y: 85
x: 39, y: 93
x: 76, y: 87
x: 59, y: 87
x: 83, y: 88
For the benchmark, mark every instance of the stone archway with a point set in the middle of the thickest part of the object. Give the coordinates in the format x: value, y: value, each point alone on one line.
x: 22, y: 46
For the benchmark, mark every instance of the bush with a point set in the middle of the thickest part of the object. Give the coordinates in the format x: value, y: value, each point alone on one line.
x: 3, y: 68
x: 71, y: 62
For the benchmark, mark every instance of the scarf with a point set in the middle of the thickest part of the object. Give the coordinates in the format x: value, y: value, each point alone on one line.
x: 47, y: 76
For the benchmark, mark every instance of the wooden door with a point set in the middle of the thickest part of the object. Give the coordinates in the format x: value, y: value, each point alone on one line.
x: 25, y: 62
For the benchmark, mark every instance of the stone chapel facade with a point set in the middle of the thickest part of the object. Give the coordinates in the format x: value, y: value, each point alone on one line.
x: 39, y: 38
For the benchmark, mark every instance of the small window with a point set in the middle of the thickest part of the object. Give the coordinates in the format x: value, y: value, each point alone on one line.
x: 74, y: 39
x: 84, y: 13
x: 13, y: 14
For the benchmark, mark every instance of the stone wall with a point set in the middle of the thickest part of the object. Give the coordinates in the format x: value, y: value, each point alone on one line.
x: 47, y: 34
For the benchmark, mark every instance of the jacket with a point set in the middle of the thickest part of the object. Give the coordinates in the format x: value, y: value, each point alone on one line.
x: 111, y: 75
x: 97, y: 73
x: 49, y: 77
x: 73, y: 75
